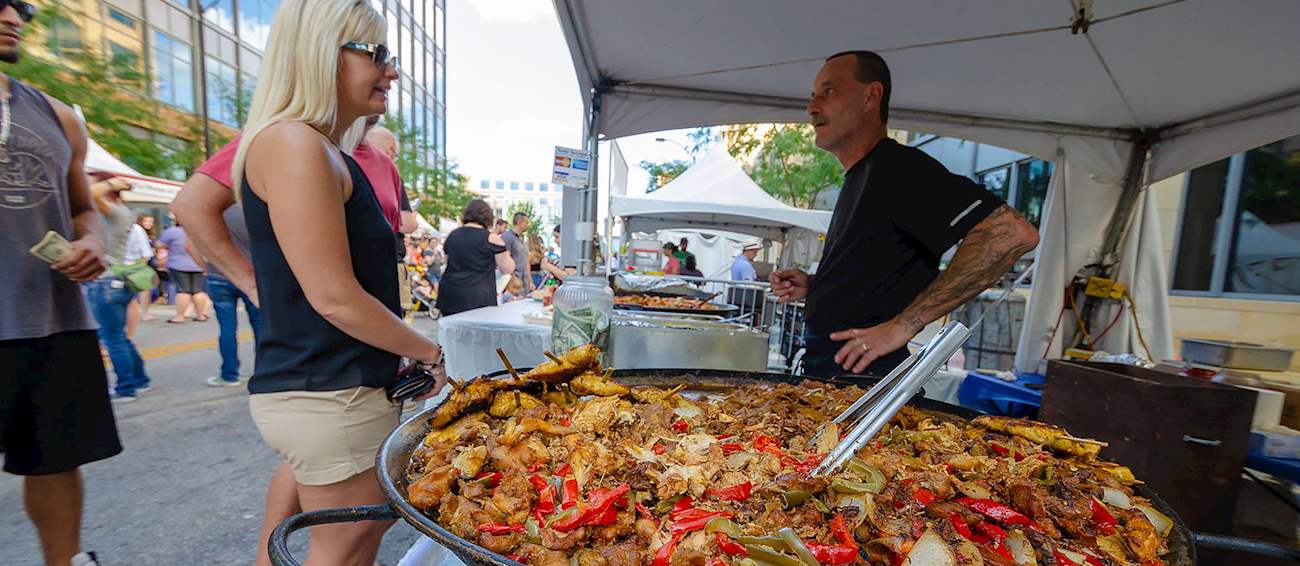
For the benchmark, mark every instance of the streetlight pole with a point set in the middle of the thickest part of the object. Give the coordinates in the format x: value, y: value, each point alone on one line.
x: 678, y: 144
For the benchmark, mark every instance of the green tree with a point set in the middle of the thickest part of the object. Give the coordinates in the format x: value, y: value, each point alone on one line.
x: 437, y: 190
x: 526, y: 207
x: 664, y: 172
x: 109, y: 90
x: 786, y: 162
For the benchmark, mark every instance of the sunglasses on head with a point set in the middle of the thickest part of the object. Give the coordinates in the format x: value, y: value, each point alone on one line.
x: 26, y: 10
x: 378, y: 52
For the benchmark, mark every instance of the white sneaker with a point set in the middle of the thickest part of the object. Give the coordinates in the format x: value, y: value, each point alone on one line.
x: 139, y: 390
x: 216, y: 381
x: 85, y: 559
x: 119, y: 399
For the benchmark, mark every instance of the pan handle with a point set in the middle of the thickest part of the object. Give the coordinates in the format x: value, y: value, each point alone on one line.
x: 1245, y: 545
x: 278, y: 545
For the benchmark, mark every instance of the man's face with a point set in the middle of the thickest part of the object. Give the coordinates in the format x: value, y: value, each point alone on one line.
x: 751, y: 254
x: 11, y: 30
x: 840, y: 106
x: 521, y: 225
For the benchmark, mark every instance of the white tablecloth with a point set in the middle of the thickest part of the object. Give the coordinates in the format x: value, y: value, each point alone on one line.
x: 470, y: 339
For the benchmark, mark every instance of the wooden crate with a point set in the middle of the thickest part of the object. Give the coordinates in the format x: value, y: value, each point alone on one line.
x: 1186, y: 437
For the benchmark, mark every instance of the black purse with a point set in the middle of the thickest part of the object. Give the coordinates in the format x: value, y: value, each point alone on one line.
x: 412, y: 381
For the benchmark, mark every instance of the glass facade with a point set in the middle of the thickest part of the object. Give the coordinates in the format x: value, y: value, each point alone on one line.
x: 158, y: 38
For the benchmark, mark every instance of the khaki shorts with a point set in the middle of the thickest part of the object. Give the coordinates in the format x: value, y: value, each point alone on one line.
x: 326, y: 436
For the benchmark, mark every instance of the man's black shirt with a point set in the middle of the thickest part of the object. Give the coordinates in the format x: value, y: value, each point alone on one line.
x: 898, y: 212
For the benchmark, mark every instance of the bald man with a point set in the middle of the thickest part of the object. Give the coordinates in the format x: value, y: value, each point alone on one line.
x: 382, y: 139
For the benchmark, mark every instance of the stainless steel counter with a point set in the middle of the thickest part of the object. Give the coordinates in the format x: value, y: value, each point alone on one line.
x: 649, y: 340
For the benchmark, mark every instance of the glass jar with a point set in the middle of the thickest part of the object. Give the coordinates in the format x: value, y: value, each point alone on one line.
x: 584, y: 307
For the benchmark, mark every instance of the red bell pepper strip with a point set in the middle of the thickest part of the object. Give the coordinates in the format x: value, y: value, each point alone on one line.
x: 924, y: 496
x: 728, y: 546
x: 644, y: 511
x: 1063, y: 560
x: 569, y: 497
x: 499, y: 528
x: 729, y: 448
x: 724, y: 436
x: 994, y: 532
x: 694, y: 520
x: 682, y: 504
x: 1106, y: 522
x: 1000, y: 449
x: 564, y: 421
x: 832, y: 553
x: 681, y: 426
x: 840, y: 531
x: 960, y: 524
x: 593, y: 511
x: 517, y: 557
x: 489, y: 478
x: 664, y: 554
x: 764, y: 443
x: 533, y: 467
x: 539, y: 517
x: 716, y: 562
x: 564, y: 470
x: 659, y: 449
x: 999, y: 512
x: 738, y: 492
x: 538, y: 482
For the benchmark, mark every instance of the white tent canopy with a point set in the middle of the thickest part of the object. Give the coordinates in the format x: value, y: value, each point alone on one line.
x: 1191, y: 80
x: 144, y: 189
x: 716, y: 193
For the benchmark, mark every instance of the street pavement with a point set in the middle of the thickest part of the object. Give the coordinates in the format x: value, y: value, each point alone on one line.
x: 189, y: 486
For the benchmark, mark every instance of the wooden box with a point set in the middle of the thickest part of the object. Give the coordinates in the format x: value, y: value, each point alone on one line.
x: 1185, y: 437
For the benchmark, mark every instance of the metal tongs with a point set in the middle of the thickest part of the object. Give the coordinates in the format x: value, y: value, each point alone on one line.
x: 873, y: 410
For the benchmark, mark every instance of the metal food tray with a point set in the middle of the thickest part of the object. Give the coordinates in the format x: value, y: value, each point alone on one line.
x: 1236, y: 355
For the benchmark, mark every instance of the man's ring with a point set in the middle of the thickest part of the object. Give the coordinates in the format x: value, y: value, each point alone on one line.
x: 865, y: 347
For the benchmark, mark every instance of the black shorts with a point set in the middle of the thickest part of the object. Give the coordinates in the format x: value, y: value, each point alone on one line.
x: 189, y: 282
x: 54, y: 409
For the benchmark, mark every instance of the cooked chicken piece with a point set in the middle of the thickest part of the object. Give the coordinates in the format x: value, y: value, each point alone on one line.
x: 590, y: 460
x: 517, y: 429
x: 514, y: 498
x: 508, y: 403
x: 536, y: 555
x: 500, y: 544
x: 589, y: 557
x: 452, y: 433
x: 1121, y: 473
x: 595, y: 383
x: 469, y: 462
x: 626, y: 554
x: 457, y: 514
x: 623, y: 525
x: 692, y: 551
x: 571, y: 364
x: 556, y: 540
x: 1139, y: 534
x: 1051, y: 436
x: 475, y: 393
x: 597, y: 414
x: 427, y: 491
x: 649, y: 394
x: 519, y: 457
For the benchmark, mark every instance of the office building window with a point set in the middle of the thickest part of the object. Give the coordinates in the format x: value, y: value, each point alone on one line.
x: 997, y: 181
x: 122, y: 60
x: 501, y: 186
x: 1240, y: 231
x: 514, y: 185
x: 1032, y: 179
x: 64, y: 36
x: 255, y: 21
x: 220, y: 13
x: 542, y: 187
x: 223, y: 94
x: 483, y: 184
x: 528, y: 186
x: 173, y: 75
x: 439, y: 33
x: 121, y: 18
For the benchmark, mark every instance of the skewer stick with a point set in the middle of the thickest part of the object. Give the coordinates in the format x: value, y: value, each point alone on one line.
x: 509, y: 367
x: 555, y: 359
x: 1085, y: 440
x: 709, y: 298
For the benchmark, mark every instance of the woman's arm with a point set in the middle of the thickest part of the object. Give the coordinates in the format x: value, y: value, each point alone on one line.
x: 303, y: 181
x: 552, y: 270
x: 199, y: 206
x: 505, y: 263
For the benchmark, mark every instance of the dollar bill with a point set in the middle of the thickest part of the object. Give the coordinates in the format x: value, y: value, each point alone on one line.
x: 52, y: 248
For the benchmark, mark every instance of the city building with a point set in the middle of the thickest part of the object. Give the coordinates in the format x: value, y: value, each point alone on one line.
x: 211, y: 69
x: 1231, y: 233
x: 547, y: 199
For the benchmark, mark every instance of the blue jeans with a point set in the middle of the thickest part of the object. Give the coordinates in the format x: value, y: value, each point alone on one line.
x: 225, y: 296
x: 109, y: 299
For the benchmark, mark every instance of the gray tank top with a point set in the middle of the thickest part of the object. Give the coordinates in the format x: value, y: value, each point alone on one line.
x: 35, y: 301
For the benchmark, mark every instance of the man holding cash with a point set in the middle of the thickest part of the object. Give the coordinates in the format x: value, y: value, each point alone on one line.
x: 55, y: 413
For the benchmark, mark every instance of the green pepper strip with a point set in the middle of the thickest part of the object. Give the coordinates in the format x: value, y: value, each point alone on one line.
x: 765, y: 555
x: 794, y: 498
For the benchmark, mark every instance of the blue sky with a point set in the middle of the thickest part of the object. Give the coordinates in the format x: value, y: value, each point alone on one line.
x: 512, y: 95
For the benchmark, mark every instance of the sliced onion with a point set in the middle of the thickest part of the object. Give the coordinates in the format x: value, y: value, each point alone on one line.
x: 1114, y: 546
x: 974, y: 490
x: 931, y: 550
x: 739, y: 460
x: 968, y: 554
x: 686, y: 411
x: 1021, y: 550
x: 864, y: 504
x: 1116, y: 498
x: 1160, y: 521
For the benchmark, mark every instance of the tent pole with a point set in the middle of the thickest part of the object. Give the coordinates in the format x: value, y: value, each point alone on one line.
x: 586, y: 226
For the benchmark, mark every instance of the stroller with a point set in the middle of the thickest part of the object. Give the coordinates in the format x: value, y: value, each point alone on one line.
x: 422, y: 294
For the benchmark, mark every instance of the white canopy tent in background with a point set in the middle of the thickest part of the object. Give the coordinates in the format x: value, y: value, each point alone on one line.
x: 144, y: 189
x: 714, y: 250
x: 1138, y: 91
x: 715, y: 193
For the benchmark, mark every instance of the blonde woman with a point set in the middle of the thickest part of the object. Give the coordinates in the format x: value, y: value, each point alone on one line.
x: 322, y: 253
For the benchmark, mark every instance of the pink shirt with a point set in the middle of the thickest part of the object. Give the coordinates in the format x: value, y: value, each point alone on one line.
x: 381, y: 171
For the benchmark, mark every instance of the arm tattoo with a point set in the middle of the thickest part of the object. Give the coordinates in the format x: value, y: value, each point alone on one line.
x: 984, y: 256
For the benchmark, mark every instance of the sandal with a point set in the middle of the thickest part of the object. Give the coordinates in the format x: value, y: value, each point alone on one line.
x: 174, y: 321
x: 201, y: 319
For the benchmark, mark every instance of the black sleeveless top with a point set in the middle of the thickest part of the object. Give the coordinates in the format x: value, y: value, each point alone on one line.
x: 469, y: 282
x: 297, y: 349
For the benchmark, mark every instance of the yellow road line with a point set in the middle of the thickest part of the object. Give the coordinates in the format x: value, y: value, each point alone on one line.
x: 185, y: 347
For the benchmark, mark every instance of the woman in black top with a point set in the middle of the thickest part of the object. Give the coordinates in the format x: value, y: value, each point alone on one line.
x: 474, y: 255
x: 322, y: 251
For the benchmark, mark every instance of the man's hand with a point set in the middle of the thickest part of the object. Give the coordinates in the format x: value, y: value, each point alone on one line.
x: 790, y: 284
x: 85, y: 262
x: 864, y: 345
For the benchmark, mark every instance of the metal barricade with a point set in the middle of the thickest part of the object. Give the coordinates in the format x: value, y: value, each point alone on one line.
x: 759, y: 308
